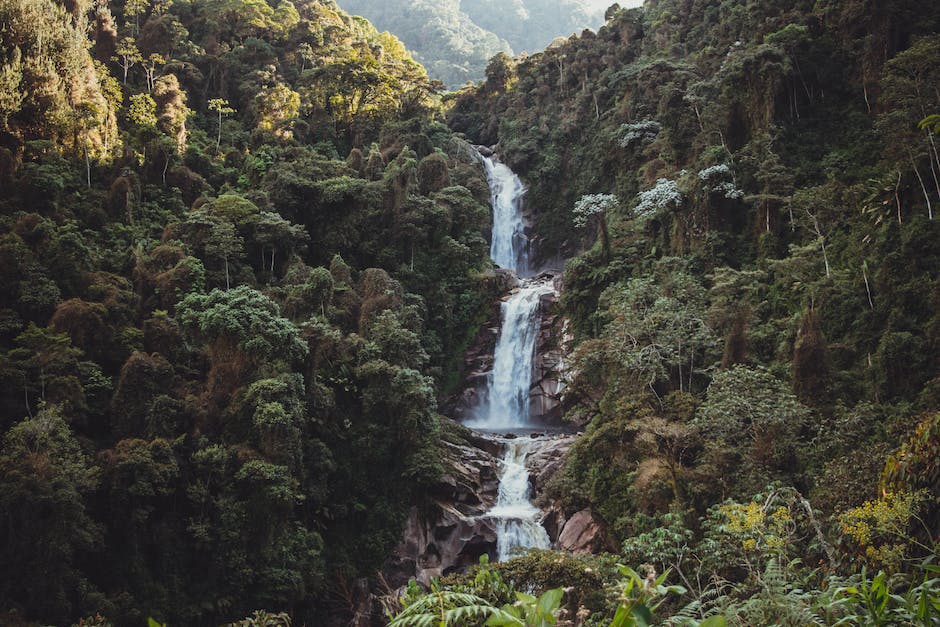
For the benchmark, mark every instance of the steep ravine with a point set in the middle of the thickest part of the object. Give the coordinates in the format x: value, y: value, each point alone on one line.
x: 511, y: 402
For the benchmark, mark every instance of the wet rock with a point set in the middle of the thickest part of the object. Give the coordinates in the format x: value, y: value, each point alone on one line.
x: 439, y: 543
x: 549, y: 368
x: 548, y: 459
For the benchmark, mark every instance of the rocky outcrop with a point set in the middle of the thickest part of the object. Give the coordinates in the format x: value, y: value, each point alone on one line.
x: 478, y: 360
x: 451, y: 533
x: 548, y: 459
x: 583, y: 534
x: 549, y: 366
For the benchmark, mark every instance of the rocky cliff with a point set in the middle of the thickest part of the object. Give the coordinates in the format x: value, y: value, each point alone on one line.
x: 453, y: 530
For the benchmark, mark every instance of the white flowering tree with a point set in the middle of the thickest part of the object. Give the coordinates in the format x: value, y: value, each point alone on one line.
x: 638, y: 133
x: 720, y: 179
x: 593, y: 208
x: 665, y: 194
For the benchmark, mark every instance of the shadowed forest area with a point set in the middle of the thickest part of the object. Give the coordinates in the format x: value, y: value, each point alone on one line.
x: 244, y: 250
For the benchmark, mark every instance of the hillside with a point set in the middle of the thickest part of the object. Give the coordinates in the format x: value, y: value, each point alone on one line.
x: 454, y: 39
x: 225, y: 227
x: 245, y: 267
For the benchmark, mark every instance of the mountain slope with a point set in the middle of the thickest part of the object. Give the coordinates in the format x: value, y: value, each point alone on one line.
x: 240, y: 258
x: 455, y: 38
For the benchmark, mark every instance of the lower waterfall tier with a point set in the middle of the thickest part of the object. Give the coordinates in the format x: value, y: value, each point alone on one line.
x: 458, y: 526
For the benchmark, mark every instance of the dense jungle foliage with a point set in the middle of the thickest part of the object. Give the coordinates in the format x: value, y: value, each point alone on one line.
x: 240, y: 257
x: 454, y: 39
x: 746, y: 193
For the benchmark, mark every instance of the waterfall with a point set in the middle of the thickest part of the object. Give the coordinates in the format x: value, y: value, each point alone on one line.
x: 509, y: 247
x: 515, y: 516
x: 505, y: 404
x: 506, y: 401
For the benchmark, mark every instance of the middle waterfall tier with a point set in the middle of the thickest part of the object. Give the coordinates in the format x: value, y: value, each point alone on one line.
x: 505, y: 405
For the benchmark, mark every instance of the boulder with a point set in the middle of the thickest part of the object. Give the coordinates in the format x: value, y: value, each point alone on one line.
x: 451, y: 532
x: 583, y: 534
x: 547, y: 459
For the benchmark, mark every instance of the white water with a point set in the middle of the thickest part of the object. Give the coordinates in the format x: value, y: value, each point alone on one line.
x: 516, y: 517
x: 505, y: 405
x: 506, y: 401
x: 509, y: 247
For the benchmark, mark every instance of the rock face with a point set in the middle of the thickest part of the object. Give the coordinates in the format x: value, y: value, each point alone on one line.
x: 549, y: 366
x: 546, y: 460
x: 582, y: 534
x: 478, y: 360
x: 452, y: 533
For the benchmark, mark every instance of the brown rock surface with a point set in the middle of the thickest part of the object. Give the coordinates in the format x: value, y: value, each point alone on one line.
x: 452, y: 533
x: 582, y: 534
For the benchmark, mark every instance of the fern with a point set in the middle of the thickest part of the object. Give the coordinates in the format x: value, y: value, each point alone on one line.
x: 443, y: 608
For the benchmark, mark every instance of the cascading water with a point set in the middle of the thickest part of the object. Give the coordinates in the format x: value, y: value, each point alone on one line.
x: 509, y: 247
x: 516, y: 517
x: 506, y: 402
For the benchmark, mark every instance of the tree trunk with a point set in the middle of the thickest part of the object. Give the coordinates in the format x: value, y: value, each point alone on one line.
x: 87, y: 162
x: 871, y: 304
x: 605, y: 236
x: 822, y: 242
x: 922, y: 186
x: 897, y: 196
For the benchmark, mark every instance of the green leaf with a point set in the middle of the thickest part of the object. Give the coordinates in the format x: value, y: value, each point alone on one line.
x: 550, y: 601
x: 642, y: 615
x: 622, y: 618
x: 718, y: 620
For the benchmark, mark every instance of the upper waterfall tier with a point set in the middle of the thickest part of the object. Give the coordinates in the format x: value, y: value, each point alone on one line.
x: 509, y: 247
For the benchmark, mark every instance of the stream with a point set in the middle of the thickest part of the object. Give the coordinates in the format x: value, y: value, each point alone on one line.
x: 505, y: 403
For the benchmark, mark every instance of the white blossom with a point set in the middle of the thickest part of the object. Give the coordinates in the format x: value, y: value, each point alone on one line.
x: 664, y: 194
x: 641, y: 132
x: 592, y: 204
x: 719, y: 178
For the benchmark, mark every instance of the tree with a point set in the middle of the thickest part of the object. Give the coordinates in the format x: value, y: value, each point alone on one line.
x: 241, y: 329
x: 45, y: 482
x: 128, y: 54
x: 134, y: 9
x: 274, y: 232
x: 223, y: 241
x: 755, y: 413
x: 658, y: 326
x: 150, y: 68
x: 220, y: 106
x: 143, y: 111
x: 594, y: 208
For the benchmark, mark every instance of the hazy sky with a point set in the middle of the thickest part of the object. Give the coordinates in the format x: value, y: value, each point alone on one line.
x: 603, y: 4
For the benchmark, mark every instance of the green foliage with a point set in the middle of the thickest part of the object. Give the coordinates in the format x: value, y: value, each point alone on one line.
x: 750, y: 412
x: 242, y: 319
x: 444, y: 609
x: 45, y: 481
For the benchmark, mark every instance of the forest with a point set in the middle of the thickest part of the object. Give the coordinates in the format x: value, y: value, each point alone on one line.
x: 244, y: 251
x: 454, y: 39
